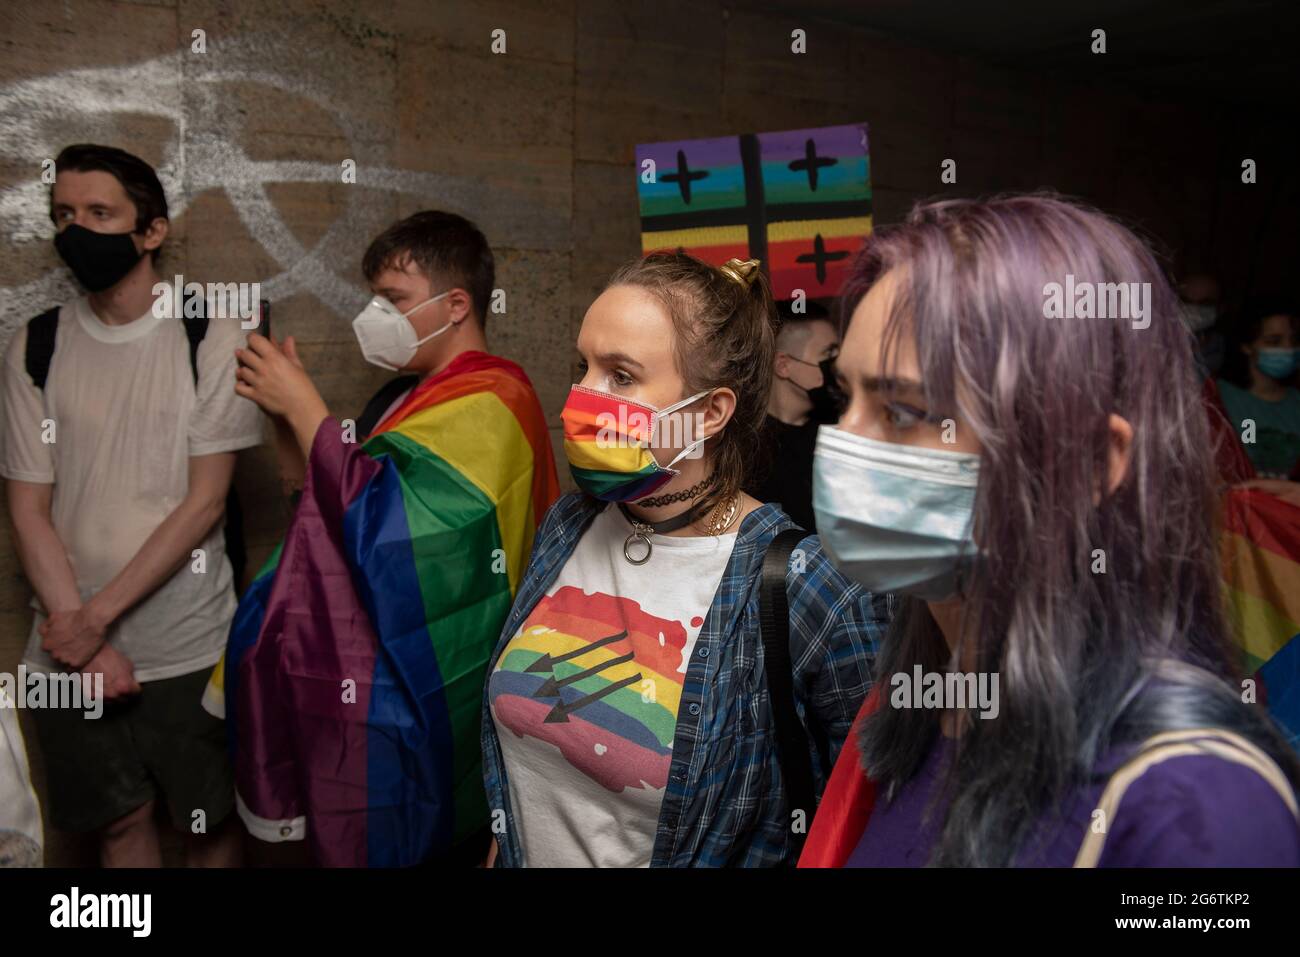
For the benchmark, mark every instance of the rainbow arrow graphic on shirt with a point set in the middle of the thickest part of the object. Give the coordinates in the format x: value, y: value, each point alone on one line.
x: 547, y: 663
x: 550, y: 688
x: 561, y: 711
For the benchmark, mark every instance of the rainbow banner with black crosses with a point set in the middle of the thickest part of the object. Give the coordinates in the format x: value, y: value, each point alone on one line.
x: 799, y: 201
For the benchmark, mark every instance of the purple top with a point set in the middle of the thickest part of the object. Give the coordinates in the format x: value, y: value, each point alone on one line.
x: 1189, y: 811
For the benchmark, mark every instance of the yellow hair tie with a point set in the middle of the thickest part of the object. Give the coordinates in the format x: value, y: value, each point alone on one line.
x: 742, y: 271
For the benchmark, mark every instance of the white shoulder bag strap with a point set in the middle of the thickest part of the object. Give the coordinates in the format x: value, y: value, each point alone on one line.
x: 1214, y: 742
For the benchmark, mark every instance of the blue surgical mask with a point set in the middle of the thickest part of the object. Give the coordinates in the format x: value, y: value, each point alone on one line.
x: 1277, y: 363
x: 894, y: 518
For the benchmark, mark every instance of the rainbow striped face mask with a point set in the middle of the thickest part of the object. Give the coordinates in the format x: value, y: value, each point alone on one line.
x: 609, y: 442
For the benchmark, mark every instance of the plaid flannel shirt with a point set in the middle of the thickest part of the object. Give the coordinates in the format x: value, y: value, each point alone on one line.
x: 724, y: 804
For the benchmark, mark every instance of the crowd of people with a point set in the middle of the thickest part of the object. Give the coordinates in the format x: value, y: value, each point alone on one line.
x: 786, y: 518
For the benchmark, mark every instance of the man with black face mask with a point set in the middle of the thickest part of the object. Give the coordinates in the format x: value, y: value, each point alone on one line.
x: 803, y: 397
x: 121, y: 426
x: 1200, y: 297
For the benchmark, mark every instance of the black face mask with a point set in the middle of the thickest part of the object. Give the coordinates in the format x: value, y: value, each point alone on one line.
x: 98, y: 260
x: 1210, y: 354
x: 827, y: 400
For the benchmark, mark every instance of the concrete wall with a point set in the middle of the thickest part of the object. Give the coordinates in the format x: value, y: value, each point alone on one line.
x: 536, y: 145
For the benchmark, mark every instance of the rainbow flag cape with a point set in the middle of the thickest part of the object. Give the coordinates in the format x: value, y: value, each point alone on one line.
x: 1260, y: 556
x: 1260, y: 553
x: 354, y: 671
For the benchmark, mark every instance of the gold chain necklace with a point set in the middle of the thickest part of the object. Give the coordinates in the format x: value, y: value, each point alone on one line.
x: 720, y: 519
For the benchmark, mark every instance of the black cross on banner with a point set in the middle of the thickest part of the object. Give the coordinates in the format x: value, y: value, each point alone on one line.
x: 819, y: 257
x: 683, y: 176
x: 811, y: 162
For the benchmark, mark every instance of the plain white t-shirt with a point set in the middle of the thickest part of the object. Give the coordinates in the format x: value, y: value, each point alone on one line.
x: 585, y: 696
x: 114, y: 430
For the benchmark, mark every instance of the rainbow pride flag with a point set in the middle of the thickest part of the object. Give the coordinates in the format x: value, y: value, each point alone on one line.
x: 1260, y: 553
x: 799, y: 201
x: 355, y: 668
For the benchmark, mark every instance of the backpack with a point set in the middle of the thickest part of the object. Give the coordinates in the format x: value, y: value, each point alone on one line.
x: 381, y: 400
x: 41, y: 333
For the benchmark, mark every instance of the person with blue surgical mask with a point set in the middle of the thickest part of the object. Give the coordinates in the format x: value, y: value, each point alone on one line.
x: 1038, y: 490
x: 1259, y: 392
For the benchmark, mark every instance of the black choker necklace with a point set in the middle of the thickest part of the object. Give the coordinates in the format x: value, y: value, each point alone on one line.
x: 641, y: 529
x: 685, y: 495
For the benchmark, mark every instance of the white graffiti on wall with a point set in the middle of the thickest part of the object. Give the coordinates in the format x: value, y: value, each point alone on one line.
x: 202, y: 154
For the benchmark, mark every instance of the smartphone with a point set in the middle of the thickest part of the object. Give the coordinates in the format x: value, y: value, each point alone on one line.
x: 264, y: 320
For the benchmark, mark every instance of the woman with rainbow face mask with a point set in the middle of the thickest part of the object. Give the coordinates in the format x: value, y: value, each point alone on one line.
x: 1040, y: 489
x: 628, y: 717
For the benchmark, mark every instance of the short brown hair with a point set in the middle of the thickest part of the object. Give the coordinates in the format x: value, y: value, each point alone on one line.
x: 446, y: 248
x: 724, y: 335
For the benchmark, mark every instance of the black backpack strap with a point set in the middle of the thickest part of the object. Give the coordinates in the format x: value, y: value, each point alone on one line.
x: 380, y: 401
x: 196, y: 327
x: 42, y: 330
x: 774, y: 622
x: 41, y: 333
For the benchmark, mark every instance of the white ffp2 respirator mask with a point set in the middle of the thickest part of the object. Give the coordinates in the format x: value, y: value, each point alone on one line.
x: 385, y: 333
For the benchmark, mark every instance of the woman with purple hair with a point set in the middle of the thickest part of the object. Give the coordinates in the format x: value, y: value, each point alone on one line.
x: 1024, y: 455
